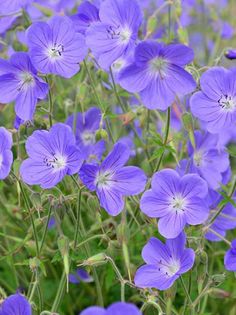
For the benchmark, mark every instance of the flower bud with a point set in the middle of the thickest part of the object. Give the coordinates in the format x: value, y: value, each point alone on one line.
x: 230, y: 54
x: 101, y: 134
x: 218, y: 279
x: 34, y: 264
x: 97, y: 260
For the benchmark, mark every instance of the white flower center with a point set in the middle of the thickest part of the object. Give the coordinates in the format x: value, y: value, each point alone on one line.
x: 197, y: 157
x: 57, y: 162
x: 88, y: 137
x: 55, y: 51
x: 122, y: 34
x: 1, y: 161
x: 173, y: 267
x: 169, y: 268
x: 227, y: 103
x: 26, y: 80
x: 125, y: 35
x: 102, y: 179
x: 178, y: 203
x: 158, y: 66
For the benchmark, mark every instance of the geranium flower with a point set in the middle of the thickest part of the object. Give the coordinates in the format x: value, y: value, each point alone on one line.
x: 206, y: 159
x: 158, y: 73
x: 86, y: 125
x: 118, y: 308
x: 112, y: 180
x: 86, y: 15
x: 230, y: 257
x: 165, y: 263
x: 176, y: 200
x: 6, y: 156
x: 52, y: 155
x: 55, y: 47
x: 15, y: 304
x: 19, y: 82
x: 215, y: 104
x: 117, y: 31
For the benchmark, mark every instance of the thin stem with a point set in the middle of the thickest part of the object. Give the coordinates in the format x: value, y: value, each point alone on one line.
x: 78, y: 214
x: 31, y: 218
x: 116, y: 92
x: 98, y: 100
x: 220, y: 236
x: 186, y: 291
x: 223, y: 206
x: 167, y: 130
x: 50, y: 104
x: 45, y: 229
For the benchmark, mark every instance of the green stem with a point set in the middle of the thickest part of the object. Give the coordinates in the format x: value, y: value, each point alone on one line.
x: 167, y: 130
x: 50, y: 103
x: 116, y: 92
x: 78, y: 213
x: 99, y: 101
x: 186, y: 291
x: 45, y: 229
x: 223, y: 206
x: 31, y: 218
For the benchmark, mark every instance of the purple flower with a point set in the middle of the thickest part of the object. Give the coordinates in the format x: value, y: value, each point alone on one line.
x: 52, y: 155
x: 158, y: 73
x: 15, y: 304
x: 117, y: 32
x: 19, y: 82
x: 10, y: 6
x: 207, y: 160
x: 225, y: 221
x: 112, y: 180
x: 216, y: 103
x: 86, y: 15
x: 230, y: 257
x: 165, y: 263
x: 86, y: 125
x: 55, y: 47
x: 6, y: 156
x: 80, y: 275
x: 118, y: 308
x: 230, y: 54
x: 176, y: 200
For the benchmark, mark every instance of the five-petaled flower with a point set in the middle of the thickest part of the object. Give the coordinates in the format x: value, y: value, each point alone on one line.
x: 6, y: 156
x: 165, y: 263
x: 206, y: 159
x: 55, y: 47
x: 112, y: 180
x: 158, y: 74
x: 215, y: 104
x: 176, y: 200
x: 52, y: 155
x: 19, y: 82
x: 116, y: 33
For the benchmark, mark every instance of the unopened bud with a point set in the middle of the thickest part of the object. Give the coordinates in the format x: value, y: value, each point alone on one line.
x: 34, y: 264
x: 101, y: 134
x: 98, y: 259
x: 219, y: 293
x: 218, y: 279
